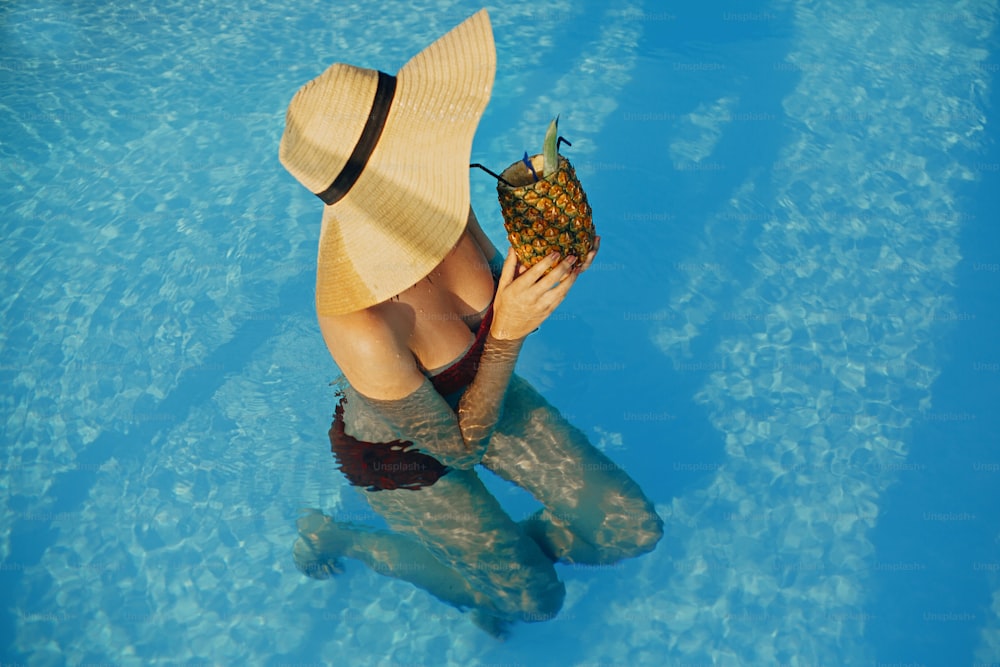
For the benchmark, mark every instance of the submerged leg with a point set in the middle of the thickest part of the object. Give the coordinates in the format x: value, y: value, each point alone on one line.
x: 323, y: 543
x: 451, y: 539
x: 593, y: 511
x: 465, y: 528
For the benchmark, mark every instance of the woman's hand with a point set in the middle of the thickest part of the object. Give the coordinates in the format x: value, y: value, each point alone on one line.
x: 522, y: 303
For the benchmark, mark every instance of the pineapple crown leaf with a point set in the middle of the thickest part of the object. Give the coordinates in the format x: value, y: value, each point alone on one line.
x: 550, y: 153
x: 550, y: 147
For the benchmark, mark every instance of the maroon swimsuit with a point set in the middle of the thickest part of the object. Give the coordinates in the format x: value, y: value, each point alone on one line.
x: 394, y: 465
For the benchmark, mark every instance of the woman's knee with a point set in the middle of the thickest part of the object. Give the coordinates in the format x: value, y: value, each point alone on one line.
x: 542, y: 600
x: 627, y: 532
x: 645, y: 529
x: 525, y: 593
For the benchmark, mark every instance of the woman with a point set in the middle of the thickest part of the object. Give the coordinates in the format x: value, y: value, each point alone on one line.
x: 426, y: 324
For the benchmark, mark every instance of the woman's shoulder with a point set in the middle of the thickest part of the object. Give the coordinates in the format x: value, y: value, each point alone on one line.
x: 358, y: 330
x: 371, y: 352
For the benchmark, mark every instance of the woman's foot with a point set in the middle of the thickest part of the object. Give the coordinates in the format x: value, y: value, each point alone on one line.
x: 320, y: 545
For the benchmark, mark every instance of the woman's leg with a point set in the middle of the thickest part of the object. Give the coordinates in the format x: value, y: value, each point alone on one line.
x: 323, y: 543
x: 452, y: 539
x: 593, y: 511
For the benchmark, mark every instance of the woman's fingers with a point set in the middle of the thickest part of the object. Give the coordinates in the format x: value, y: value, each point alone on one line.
x: 541, y: 273
x: 538, y: 270
x: 533, y: 284
x: 526, y: 297
x: 548, y: 281
x: 558, y: 273
x: 554, y: 295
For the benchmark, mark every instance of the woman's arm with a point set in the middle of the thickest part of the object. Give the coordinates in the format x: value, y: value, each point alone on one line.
x: 383, y: 372
x: 384, y: 377
x: 455, y: 438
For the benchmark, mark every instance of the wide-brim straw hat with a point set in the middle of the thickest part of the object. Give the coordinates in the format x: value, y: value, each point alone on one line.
x: 391, y: 162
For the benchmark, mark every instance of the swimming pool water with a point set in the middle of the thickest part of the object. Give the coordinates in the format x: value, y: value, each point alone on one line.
x: 788, y: 337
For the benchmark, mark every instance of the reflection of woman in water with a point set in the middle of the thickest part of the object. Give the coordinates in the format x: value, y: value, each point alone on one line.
x: 425, y: 320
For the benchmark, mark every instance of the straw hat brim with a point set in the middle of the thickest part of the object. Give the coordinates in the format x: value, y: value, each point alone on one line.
x: 410, y: 204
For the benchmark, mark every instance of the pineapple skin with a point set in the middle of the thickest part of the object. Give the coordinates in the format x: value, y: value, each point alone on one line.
x: 550, y: 214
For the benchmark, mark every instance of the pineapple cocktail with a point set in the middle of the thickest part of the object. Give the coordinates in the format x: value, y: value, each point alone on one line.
x: 544, y: 207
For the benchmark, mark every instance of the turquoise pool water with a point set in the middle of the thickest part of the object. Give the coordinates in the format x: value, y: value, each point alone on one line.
x: 788, y: 337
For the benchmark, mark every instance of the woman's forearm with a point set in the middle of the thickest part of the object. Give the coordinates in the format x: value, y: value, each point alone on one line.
x: 455, y: 438
x: 481, y: 405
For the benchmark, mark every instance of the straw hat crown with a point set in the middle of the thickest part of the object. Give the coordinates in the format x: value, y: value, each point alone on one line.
x: 390, y: 156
